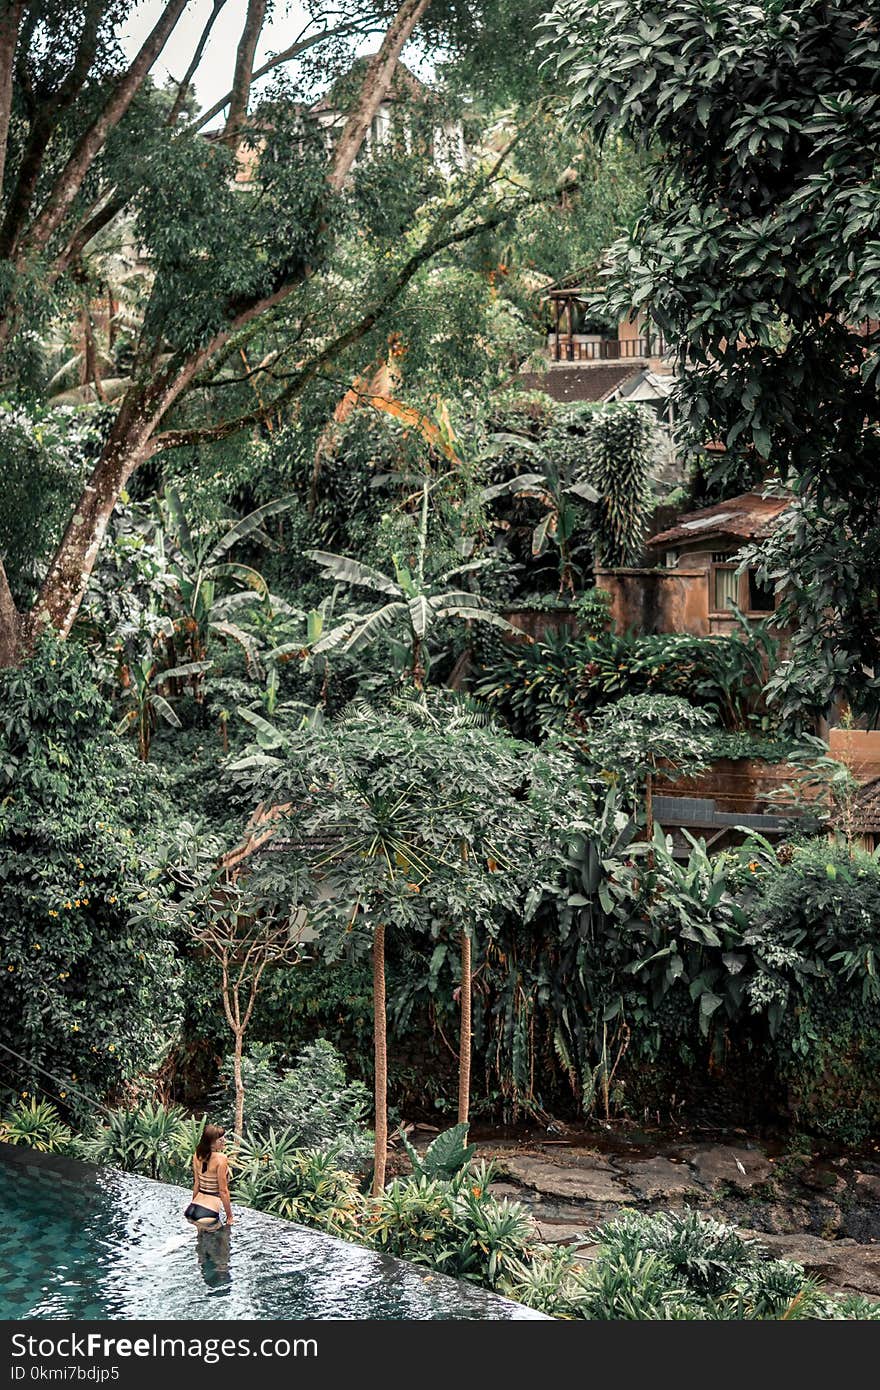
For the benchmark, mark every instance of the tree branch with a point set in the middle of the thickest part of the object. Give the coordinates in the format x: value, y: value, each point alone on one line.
x: 287, y: 56
x: 244, y: 67
x: 183, y: 85
x: 44, y: 123
x: 91, y: 142
x: 375, y: 85
x: 181, y: 438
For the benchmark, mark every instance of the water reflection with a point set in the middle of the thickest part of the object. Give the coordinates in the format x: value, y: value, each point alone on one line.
x: 111, y: 1245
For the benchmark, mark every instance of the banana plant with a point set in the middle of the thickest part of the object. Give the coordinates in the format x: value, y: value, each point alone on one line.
x: 199, y: 568
x: 554, y: 489
x: 413, y: 602
x: 147, y: 705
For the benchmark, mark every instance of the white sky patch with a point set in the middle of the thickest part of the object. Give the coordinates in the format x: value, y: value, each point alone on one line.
x: 214, y: 77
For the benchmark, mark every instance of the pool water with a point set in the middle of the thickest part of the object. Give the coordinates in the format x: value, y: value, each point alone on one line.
x: 88, y: 1243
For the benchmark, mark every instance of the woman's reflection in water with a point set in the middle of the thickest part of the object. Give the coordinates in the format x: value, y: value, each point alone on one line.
x: 212, y: 1248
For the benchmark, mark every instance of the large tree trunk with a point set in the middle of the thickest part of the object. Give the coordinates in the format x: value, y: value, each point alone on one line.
x: 380, y: 1053
x: 464, y: 1046
x: 65, y: 583
x: 10, y: 625
x: 10, y: 19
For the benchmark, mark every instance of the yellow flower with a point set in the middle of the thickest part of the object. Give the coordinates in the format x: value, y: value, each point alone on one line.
x: 10, y: 967
x: 85, y: 902
x: 37, y: 946
x: 62, y: 1094
x: 76, y: 903
x: 112, y: 1047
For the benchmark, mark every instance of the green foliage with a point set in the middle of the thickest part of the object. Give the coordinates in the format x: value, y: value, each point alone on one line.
x: 649, y: 734
x: 36, y: 1124
x: 83, y: 992
x: 757, y: 258
x: 310, y: 1186
x: 621, y: 448
x: 562, y: 680
x: 45, y: 455
x: 153, y: 1139
x: 312, y: 1103
x: 445, y: 1156
x: 814, y: 936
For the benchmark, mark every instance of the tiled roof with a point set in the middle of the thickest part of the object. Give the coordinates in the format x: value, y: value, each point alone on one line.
x: 748, y: 517
x: 866, y: 809
x: 570, y: 384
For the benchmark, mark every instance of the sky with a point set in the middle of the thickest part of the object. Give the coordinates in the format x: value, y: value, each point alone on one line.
x: 214, y: 77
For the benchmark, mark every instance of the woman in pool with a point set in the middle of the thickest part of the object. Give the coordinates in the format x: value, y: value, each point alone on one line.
x: 210, y: 1207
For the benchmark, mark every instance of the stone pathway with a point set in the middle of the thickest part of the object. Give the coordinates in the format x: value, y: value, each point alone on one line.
x: 824, y: 1213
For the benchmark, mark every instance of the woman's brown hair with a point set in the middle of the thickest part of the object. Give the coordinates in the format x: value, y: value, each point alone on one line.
x: 209, y: 1134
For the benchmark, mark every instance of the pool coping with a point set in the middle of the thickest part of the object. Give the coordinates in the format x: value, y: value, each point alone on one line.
x: 74, y: 1170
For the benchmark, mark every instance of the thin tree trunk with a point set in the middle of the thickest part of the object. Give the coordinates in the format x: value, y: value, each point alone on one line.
x: 238, y: 1128
x: 244, y: 67
x: 190, y: 73
x: 376, y: 84
x: 380, y: 1053
x: 464, y: 1047
x: 649, y: 808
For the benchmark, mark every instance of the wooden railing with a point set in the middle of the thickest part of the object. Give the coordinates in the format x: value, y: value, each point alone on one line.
x: 566, y: 349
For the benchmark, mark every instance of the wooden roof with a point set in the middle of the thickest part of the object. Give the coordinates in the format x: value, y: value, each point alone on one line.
x: 570, y: 384
x: 747, y: 517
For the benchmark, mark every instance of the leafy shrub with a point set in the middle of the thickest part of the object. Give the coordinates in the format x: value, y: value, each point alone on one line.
x: 562, y: 681
x: 312, y: 1101
x: 82, y: 992
x: 815, y: 936
x: 37, y: 1124
x: 154, y: 1139
x: 307, y: 1185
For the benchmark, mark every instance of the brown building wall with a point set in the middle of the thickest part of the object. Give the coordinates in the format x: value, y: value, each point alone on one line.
x: 657, y: 600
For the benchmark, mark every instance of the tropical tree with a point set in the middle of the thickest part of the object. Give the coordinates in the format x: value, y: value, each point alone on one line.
x: 557, y: 489
x: 198, y: 565
x: 621, y: 445
x: 146, y: 704
x: 642, y: 737
x: 415, y: 603
x: 377, y: 822
x: 244, y: 938
x: 86, y: 138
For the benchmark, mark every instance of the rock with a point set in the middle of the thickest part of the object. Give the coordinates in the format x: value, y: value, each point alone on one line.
x: 583, y: 1183
x: 741, y: 1169
x: 841, y: 1264
x: 868, y: 1185
x: 823, y: 1180
x: 659, y: 1177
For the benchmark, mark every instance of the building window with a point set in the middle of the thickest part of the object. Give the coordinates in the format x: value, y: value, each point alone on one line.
x: 762, y: 599
x: 724, y: 587
x: 671, y: 559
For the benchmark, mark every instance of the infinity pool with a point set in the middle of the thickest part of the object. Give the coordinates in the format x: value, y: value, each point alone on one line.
x: 90, y: 1243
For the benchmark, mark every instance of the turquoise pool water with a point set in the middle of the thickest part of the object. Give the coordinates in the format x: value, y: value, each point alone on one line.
x: 87, y: 1243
